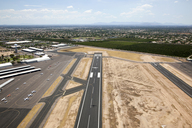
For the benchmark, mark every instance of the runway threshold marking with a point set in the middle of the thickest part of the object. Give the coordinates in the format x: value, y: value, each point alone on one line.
x: 99, y: 75
x: 29, y: 116
x: 91, y: 75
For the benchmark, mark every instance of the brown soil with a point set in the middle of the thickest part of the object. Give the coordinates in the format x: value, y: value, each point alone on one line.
x: 120, y: 54
x: 72, y: 84
x: 138, y: 96
x: 83, y: 69
x: 65, y: 112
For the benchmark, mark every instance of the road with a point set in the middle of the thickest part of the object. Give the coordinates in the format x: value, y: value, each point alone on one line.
x: 177, y: 81
x: 90, y: 111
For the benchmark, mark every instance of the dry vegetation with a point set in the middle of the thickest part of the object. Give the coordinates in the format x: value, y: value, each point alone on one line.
x: 28, y: 118
x: 83, y: 69
x: 138, y: 96
x: 120, y: 54
x: 53, y: 87
x: 69, y: 66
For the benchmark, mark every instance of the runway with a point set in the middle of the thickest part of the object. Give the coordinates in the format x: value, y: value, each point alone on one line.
x: 177, y: 81
x: 90, y: 111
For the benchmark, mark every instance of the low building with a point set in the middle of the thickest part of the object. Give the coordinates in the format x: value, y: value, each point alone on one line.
x: 18, y: 42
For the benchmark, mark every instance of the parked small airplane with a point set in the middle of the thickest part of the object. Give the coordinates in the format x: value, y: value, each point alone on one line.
x: 30, y: 95
x: 3, y: 99
x: 27, y: 98
x: 33, y: 91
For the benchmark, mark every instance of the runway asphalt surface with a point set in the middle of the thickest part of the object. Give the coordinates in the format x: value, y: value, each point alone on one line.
x: 13, y: 112
x: 90, y: 111
x: 185, y: 67
x: 177, y: 81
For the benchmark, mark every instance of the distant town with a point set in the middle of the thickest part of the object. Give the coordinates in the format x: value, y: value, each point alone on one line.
x: 164, y: 34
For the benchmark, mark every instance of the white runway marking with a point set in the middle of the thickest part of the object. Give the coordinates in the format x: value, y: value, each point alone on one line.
x: 92, y: 90
x: 91, y: 75
x: 88, y: 122
x: 99, y: 75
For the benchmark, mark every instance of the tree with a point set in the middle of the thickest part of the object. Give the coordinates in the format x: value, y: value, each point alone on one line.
x: 2, y: 57
x: 11, y: 55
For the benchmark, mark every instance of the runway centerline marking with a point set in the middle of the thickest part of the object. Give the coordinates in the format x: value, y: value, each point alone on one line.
x: 91, y: 102
x: 93, y: 90
x: 88, y: 122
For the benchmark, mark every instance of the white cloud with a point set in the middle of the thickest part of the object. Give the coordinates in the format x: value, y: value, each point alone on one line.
x: 139, y: 9
x: 69, y: 6
x: 178, y: 16
x: 88, y: 11
x: 98, y: 13
x: 176, y: 2
x: 166, y: 14
x: 32, y: 5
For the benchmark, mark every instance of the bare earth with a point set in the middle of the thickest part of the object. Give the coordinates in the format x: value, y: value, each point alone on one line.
x: 72, y: 84
x: 121, y: 54
x: 83, y: 69
x: 65, y: 112
x: 136, y: 95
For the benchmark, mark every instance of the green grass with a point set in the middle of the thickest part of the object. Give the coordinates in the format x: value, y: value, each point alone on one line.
x: 163, y: 49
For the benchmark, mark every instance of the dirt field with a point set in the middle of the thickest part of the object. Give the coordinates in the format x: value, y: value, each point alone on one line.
x: 65, y: 112
x: 120, y: 54
x: 138, y: 96
x: 83, y: 69
x: 72, y: 84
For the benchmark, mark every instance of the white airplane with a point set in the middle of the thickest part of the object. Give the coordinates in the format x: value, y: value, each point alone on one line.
x: 27, y: 98
x: 33, y: 91
x: 3, y: 99
x: 30, y: 95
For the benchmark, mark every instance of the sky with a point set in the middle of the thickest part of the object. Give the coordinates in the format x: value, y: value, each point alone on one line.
x: 61, y: 12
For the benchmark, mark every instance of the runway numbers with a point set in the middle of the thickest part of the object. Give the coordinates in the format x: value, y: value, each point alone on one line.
x: 91, y: 75
x: 99, y: 75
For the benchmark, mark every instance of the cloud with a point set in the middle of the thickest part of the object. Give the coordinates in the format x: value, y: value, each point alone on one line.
x: 98, y: 13
x: 88, y: 11
x: 138, y: 10
x: 32, y: 5
x: 176, y: 2
x: 166, y: 14
x: 69, y: 6
x: 178, y: 16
